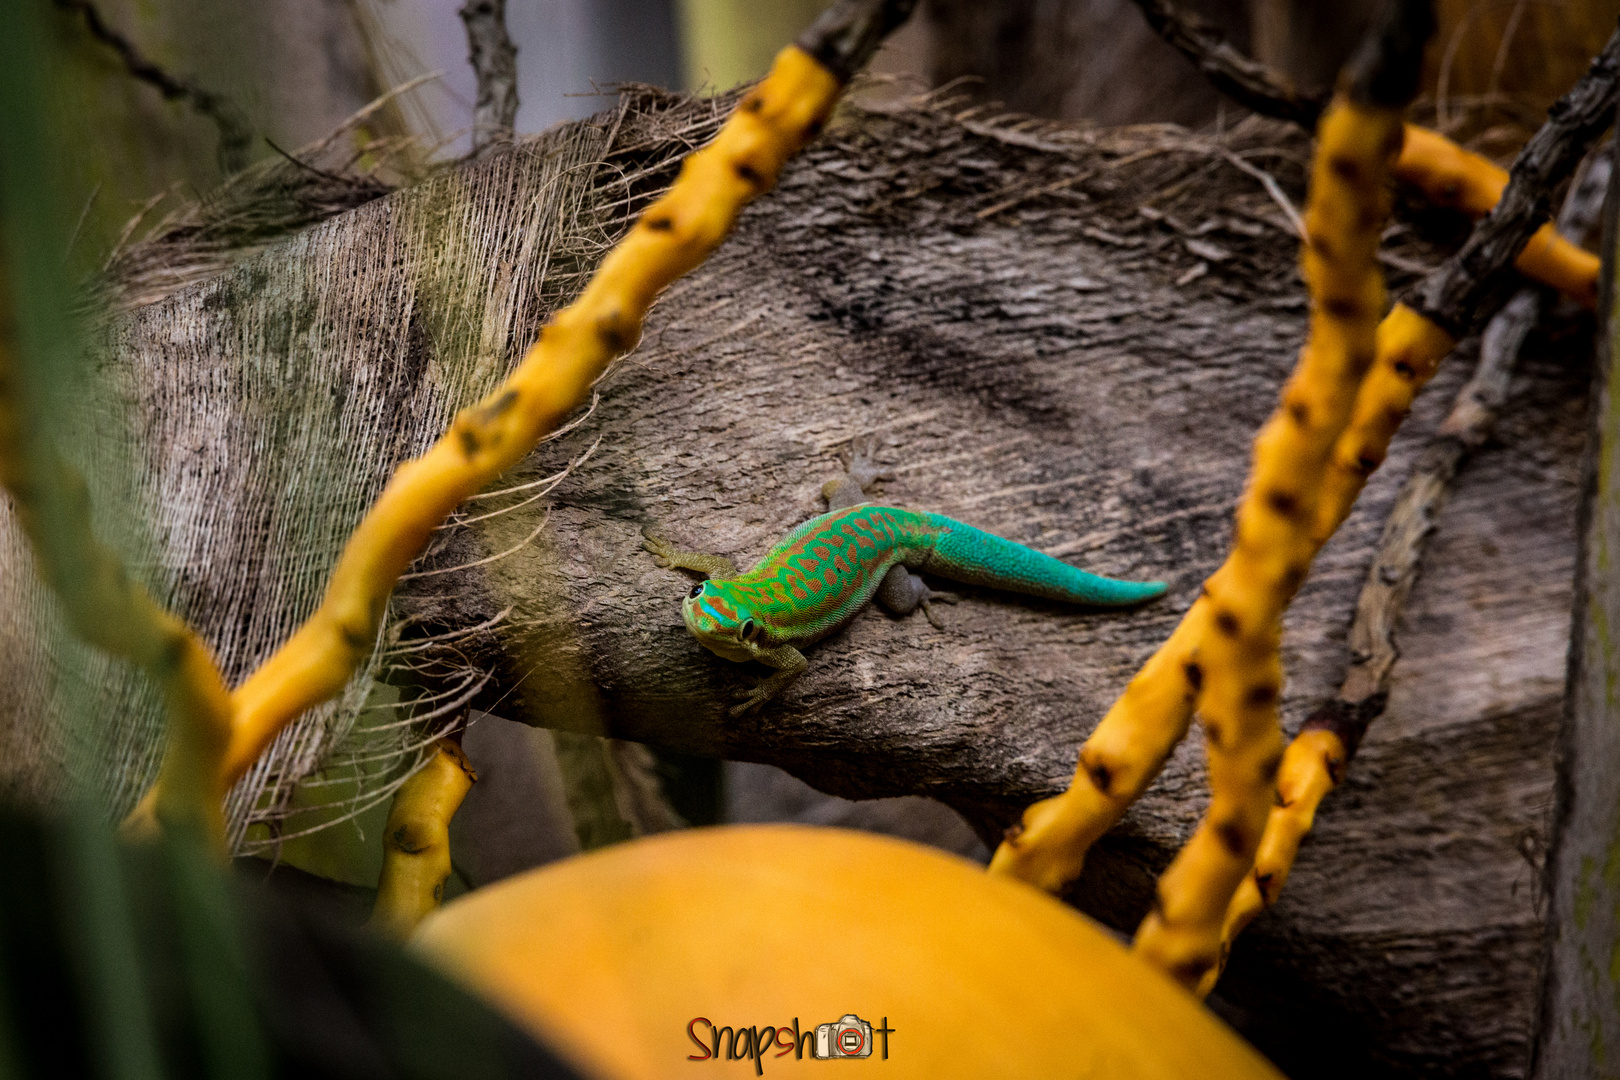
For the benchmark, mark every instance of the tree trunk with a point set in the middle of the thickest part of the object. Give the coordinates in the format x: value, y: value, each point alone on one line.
x: 1580, y: 1005
x: 1068, y: 338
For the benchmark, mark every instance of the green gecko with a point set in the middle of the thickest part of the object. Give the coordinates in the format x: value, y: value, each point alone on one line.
x: 824, y: 572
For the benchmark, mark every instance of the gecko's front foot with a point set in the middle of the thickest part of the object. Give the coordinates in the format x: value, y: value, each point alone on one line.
x: 860, y: 472
x: 666, y: 557
x: 662, y: 551
x: 862, y: 466
x: 749, y: 700
x: 789, y: 664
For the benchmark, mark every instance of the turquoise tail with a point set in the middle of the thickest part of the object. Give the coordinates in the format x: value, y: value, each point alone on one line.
x: 974, y: 557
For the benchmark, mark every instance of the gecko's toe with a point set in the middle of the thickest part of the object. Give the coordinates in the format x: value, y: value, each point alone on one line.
x: 656, y: 545
x: 750, y: 701
x: 862, y: 465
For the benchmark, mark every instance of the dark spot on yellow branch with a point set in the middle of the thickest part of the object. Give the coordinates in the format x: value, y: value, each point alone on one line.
x: 1341, y: 307
x: 1189, y: 972
x: 1264, y: 883
x: 1100, y: 775
x: 1260, y: 695
x: 1284, y: 503
x: 403, y: 841
x: 612, y: 335
x: 488, y: 414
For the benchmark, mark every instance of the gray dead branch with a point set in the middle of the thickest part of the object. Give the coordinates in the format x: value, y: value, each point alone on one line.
x: 494, y: 61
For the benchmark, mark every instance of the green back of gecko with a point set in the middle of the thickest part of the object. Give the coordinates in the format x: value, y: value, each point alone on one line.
x: 825, y: 571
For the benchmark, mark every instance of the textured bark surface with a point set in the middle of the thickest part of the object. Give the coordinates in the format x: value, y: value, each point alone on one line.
x: 1040, y: 379
x: 1580, y: 994
x: 1038, y: 356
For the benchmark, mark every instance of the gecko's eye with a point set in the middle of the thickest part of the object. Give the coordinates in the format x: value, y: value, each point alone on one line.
x: 748, y: 629
x: 697, y: 591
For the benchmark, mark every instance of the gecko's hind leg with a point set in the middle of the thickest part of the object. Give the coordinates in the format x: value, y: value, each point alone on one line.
x: 861, y: 471
x: 903, y: 592
x: 714, y: 567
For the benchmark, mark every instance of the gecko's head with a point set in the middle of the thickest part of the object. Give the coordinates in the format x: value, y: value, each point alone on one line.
x: 722, y: 624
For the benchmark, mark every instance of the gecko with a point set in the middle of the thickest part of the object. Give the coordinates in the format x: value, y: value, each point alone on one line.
x: 822, y: 574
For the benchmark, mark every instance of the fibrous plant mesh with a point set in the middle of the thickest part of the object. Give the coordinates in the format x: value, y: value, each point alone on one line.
x: 254, y: 434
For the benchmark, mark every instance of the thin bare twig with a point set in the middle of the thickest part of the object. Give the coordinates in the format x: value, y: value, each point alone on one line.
x: 494, y: 61
x: 846, y: 35
x: 1474, y: 283
x: 235, y: 136
x: 1247, y: 82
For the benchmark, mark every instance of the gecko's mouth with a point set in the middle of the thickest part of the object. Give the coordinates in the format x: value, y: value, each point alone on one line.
x: 723, y: 641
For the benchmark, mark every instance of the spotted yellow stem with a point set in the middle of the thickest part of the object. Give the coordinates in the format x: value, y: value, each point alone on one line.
x: 416, y: 841
x: 674, y: 235
x: 1223, y: 658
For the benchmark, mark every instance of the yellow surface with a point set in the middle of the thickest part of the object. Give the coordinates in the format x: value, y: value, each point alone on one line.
x: 610, y: 956
x: 416, y: 841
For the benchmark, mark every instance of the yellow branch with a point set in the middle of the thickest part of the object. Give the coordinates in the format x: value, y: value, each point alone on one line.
x: 1273, y: 544
x: 672, y: 237
x: 1453, y: 177
x: 416, y: 843
x: 1223, y: 658
x: 1312, y: 766
x: 1409, y: 351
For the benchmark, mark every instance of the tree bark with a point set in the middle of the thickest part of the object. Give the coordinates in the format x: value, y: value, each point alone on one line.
x: 1065, y: 337
x: 1580, y: 1003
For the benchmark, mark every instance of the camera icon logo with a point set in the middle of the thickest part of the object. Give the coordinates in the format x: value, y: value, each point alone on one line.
x: 849, y: 1037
